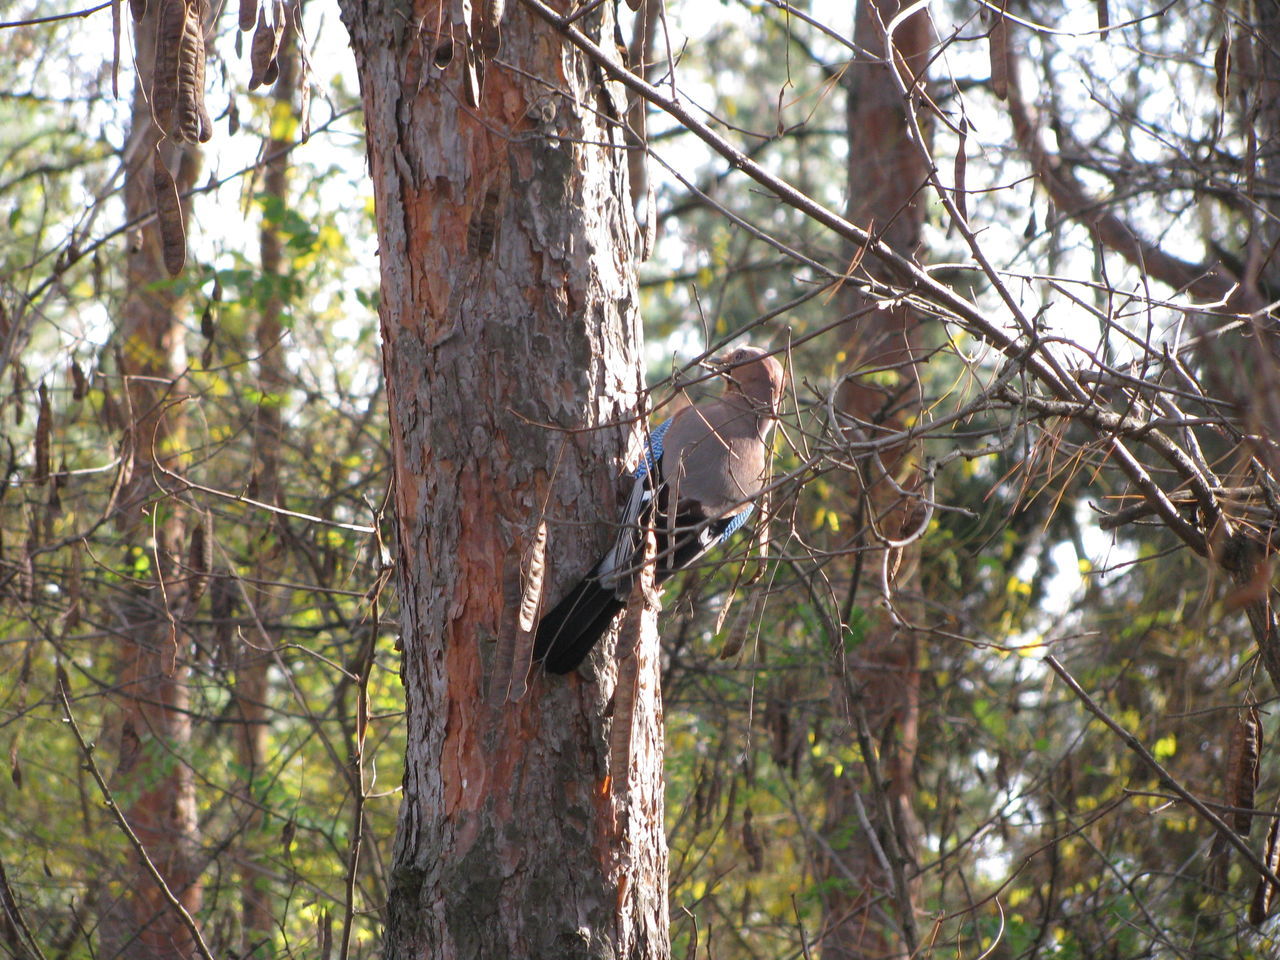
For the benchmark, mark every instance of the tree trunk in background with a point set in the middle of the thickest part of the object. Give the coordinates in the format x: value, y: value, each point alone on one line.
x: 270, y: 603
x: 870, y: 903
x: 509, y: 312
x: 153, y: 782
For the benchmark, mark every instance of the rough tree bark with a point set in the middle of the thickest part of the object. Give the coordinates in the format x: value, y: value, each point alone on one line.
x: 869, y: 904
x: 511, y: 350
x: 153, y: 782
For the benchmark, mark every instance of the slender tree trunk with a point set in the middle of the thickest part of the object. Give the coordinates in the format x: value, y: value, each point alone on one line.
x: 252, y: 689
x: 870, y: 903
x: 511, y: 349
x: 153, y: 782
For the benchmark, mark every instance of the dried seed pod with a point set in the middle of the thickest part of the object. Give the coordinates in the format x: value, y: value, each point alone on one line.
x: 532, y: 595
x: 1242, y: 767
x: 1222, y: 67
x: 15, y: 764
x: 19, y: 386
x: 751, y: 842
x: 171, y: 21
x: 115, y: 49
x: 249, y: 12
x: 138, y: 8
x: 304, y: 77
x: 200, y: 557
x: 44, y: 423
x: 725, y: 607
x: 960, y: 167
x: 192, y: 122
x: 173, y: 235
x: 262, y: 52
x: 79, y: 383
x: 1264, y: 893
x: 998, y: 47
x: 743, y: 625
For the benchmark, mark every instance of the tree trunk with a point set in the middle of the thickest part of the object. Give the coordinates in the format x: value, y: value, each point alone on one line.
x: 270, y: 603
x: 153, y: 781
x: 870, y: 902
x: 511, y: 349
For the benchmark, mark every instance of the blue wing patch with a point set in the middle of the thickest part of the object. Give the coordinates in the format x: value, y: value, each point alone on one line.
x: 736, y: 522
x: 654, y: 453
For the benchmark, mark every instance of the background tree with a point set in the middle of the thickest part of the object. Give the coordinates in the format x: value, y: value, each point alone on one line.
x: 1093, y: 394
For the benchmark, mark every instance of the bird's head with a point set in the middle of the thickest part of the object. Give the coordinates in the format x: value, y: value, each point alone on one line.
x: 755, y: 374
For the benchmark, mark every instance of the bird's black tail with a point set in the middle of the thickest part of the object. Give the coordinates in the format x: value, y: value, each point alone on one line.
x: 566, y: 635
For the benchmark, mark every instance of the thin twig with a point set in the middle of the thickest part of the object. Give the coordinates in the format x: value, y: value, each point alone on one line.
x: 87, y: 751
x: 1136, y: 746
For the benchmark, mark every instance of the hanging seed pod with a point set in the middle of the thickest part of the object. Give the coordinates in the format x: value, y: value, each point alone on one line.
x: 115, y: 49
x: 200, y: 557
x: 532, y: 595
x: 15, y: 764
x: 173, y: 236
x: 193, y: 123
x: 171, y: 22
x: 60, y: 478
x: 44, y: 423
x: 248, y: 14
x: 263, y: 50
x: 19, y: 387
x: 1222, y: 66
x: 998, y: 47
x: 961, y: 163
x: 751, y: 844
x: 1242, y: 767
x: 1264, y: 893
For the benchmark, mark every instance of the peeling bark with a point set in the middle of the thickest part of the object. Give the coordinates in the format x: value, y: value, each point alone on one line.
x: 511, y: 349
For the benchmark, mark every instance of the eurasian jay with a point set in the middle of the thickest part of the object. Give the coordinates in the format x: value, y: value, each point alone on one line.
x: 709, y: 460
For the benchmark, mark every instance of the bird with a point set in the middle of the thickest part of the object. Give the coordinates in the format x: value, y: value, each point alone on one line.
x: 706, y: 463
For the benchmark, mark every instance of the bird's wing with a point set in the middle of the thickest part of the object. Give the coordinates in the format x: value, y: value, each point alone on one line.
x: 615, y: 568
